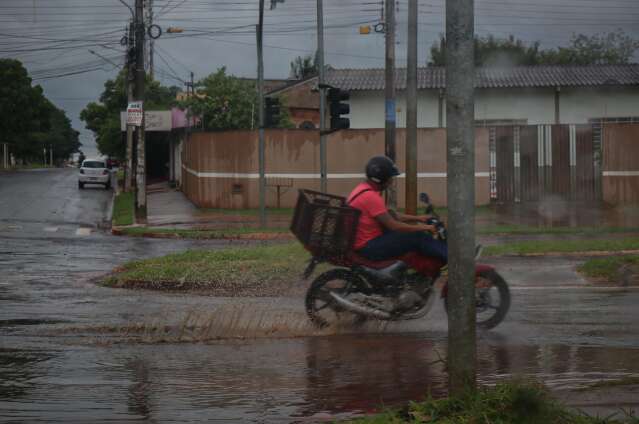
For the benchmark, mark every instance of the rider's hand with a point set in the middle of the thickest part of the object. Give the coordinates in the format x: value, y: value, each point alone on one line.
x: 425, y: 218
x: 430, y: 228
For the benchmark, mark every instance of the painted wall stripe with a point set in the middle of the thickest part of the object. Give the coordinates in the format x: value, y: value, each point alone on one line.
x: 572, y: 129
x: 621, y: 173
x: 309, y: 176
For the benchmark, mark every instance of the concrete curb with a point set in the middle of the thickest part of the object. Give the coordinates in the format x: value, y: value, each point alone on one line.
x: 586, y: 253
x: 119, y: 231
x: 109, y: 216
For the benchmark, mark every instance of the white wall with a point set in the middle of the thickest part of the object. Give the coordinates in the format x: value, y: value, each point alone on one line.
x: 579, y: 105
x: 536, y: 106
x: 367, y: 109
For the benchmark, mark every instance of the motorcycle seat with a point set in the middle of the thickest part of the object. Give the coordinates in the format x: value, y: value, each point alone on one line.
x: 357, y: 259
x: 387, y: 271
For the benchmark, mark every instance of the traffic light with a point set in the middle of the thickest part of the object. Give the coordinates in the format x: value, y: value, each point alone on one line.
x: 271, y: 112
x: 335, y: 98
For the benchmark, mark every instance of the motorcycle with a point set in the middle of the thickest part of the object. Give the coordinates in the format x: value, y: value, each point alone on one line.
x: 397, y: 289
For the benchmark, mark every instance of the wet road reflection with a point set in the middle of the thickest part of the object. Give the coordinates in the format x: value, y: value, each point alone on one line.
x: 270, y: 380
x: 71, y: 351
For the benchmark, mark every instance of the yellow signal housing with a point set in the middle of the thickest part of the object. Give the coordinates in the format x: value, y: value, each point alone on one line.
x: 364, y: 29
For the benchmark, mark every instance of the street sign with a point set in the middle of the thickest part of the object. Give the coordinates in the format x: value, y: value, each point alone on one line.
x: 134, y: 114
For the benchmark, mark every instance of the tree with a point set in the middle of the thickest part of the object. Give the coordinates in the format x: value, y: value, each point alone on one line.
x: 61, y: 136
x: 226, y: 102
x: 103, y: 117
x: 24, y: 111
x: 304, y: 67
x: 28, y: 120
x: 611, y: 48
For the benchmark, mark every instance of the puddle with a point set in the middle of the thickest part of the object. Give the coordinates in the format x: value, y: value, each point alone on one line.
x: 267, y: 380
x: 557, y: 212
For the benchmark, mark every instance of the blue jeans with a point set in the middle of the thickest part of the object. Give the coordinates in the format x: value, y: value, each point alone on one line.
x: 393, y: 244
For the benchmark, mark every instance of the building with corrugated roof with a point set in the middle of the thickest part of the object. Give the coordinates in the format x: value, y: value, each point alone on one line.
x: 523, y: 95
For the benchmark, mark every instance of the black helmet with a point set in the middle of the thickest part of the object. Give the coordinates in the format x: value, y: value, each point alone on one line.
x: 380, y: 169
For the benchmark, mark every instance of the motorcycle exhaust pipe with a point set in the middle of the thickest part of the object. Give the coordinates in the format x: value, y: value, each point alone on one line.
x: 359, y: 309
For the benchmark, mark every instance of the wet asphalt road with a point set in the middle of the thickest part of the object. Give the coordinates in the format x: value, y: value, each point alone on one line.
x: 71, y: 351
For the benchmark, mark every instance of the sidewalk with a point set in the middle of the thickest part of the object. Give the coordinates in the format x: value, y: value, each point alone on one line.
x: 170, y: 207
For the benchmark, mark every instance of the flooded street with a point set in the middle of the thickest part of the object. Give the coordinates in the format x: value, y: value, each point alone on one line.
x: 72, y: 351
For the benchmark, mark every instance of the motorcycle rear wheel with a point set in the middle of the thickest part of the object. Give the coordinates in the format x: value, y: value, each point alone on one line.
x: 488, y: 286
x: 321, y: 307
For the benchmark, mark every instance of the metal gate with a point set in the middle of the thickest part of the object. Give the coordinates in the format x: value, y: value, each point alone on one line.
x: 532, y: 162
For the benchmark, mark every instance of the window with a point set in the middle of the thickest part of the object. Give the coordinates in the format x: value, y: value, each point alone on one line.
x: 93, y: 164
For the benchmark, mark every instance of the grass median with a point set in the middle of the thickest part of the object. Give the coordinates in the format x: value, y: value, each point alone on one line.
x: 267, y: 270
x: 541, y: 247
x: 615, y: 269
x: 507, y: 403
x: 251, y: 271
x: 123, y: 211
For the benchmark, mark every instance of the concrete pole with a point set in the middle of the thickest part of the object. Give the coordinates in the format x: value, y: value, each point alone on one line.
x: 140, y: 192
x: 390, y: 116
x: 411, y: 111
x: 5, y: 155
x: 460, y: 139
x: 322, y: 94
x: 129, y: 174
x: 51, y: 155
x: 151, y: 41
x: 260, y: 109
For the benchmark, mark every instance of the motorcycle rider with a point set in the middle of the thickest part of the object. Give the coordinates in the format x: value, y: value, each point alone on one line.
x: 384, y: 234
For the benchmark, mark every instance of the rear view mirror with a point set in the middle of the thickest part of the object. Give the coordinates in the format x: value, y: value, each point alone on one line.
x: 423, y: 197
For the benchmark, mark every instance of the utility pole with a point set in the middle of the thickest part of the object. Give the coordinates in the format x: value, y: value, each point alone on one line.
x: 5, y: 156
x: 140, y: 192
x: 151, y: 41
x: 322, y: 94
x: 129, y: 174
x: 460, y: 139
x: 51, y: 155
x: 390, y: 116
x: 411, y: 111
x: 260, y: 111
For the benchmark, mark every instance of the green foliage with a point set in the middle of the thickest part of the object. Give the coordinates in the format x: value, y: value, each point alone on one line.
x: 224, y: 102
x: 304, y: 67
x: 507, y: 403
x: 103, y: 117
x: 28, y: 120
x: 612, y: 48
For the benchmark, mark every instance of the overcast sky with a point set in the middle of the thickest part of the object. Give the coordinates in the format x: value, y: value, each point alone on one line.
x: 53, y: 37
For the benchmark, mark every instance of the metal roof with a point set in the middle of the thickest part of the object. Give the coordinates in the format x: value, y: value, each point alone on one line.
x: 514, y: 77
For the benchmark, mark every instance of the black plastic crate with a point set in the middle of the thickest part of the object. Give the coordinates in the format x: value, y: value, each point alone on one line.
x: 324, y: 223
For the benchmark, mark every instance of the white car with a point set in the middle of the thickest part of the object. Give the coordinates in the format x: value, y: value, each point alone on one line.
x: 94, y: 171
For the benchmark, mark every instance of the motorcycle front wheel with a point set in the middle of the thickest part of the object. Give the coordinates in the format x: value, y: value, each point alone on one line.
x: 321, y: 307
x: 492, y: 299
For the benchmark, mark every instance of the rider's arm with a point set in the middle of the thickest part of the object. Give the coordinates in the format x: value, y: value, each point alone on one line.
x: 392, y: 224
x: 411, y: 218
